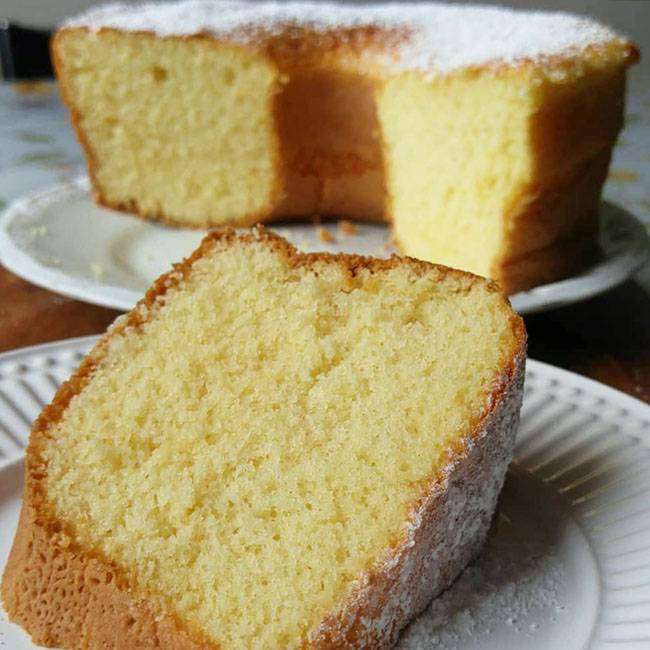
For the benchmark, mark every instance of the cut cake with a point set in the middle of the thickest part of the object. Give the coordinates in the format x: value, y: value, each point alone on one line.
x: 482, y: 134
x: 272, y: 450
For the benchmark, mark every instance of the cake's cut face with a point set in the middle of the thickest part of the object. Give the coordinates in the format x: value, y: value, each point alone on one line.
x: 483, y: 134
x: 460, y: 154
x: 260, y: 436
x: 174, y: 129
x: 488, y: 170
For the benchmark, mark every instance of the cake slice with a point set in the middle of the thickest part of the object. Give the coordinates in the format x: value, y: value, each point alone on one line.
x: 272, y: 450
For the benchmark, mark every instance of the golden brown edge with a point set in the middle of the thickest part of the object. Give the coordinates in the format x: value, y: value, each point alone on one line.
x: 38, y: 514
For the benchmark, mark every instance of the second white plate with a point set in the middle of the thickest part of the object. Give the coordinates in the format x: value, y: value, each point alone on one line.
x: 60, y: 239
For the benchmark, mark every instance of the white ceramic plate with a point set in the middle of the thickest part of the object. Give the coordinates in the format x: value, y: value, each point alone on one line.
x: 61, y: 240
x: 568, y: 562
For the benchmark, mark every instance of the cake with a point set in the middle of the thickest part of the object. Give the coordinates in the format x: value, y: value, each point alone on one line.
x: 483, y: 135
x: 272, y: 450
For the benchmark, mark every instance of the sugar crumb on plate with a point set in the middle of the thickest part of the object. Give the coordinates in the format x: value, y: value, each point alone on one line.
x: 326, y: 236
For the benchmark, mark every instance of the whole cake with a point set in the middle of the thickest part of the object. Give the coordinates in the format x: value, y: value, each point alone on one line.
x: 482, y: 134
x: 272, y: 450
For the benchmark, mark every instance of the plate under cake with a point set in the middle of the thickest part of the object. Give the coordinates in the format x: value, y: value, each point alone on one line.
x: 482, y: 134
x: 271, y: 450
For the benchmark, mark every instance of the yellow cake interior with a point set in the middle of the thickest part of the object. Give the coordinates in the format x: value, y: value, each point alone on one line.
x: 453, y: 172
x: 485, y: 167
x: 169, y: 138
x: 241, y: 456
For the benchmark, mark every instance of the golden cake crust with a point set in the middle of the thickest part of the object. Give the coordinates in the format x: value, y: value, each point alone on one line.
x: 65, y: 595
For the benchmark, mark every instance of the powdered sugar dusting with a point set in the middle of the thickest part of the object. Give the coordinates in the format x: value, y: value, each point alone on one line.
x: 515, y: 593
x: 445, y: 532
x: 441, y: 37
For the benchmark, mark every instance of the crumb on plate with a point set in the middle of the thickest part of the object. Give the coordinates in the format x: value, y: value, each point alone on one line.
x: 348, y: 228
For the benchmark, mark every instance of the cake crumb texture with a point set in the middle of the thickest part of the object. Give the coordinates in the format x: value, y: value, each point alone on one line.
x: 347, y: 228
x: 156, y: 139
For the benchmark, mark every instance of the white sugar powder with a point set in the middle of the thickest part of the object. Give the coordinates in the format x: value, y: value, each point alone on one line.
x: 516, y: 584
x: 441, y: 37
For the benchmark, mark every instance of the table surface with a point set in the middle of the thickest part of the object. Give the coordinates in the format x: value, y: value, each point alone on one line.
x: 606, y: 338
